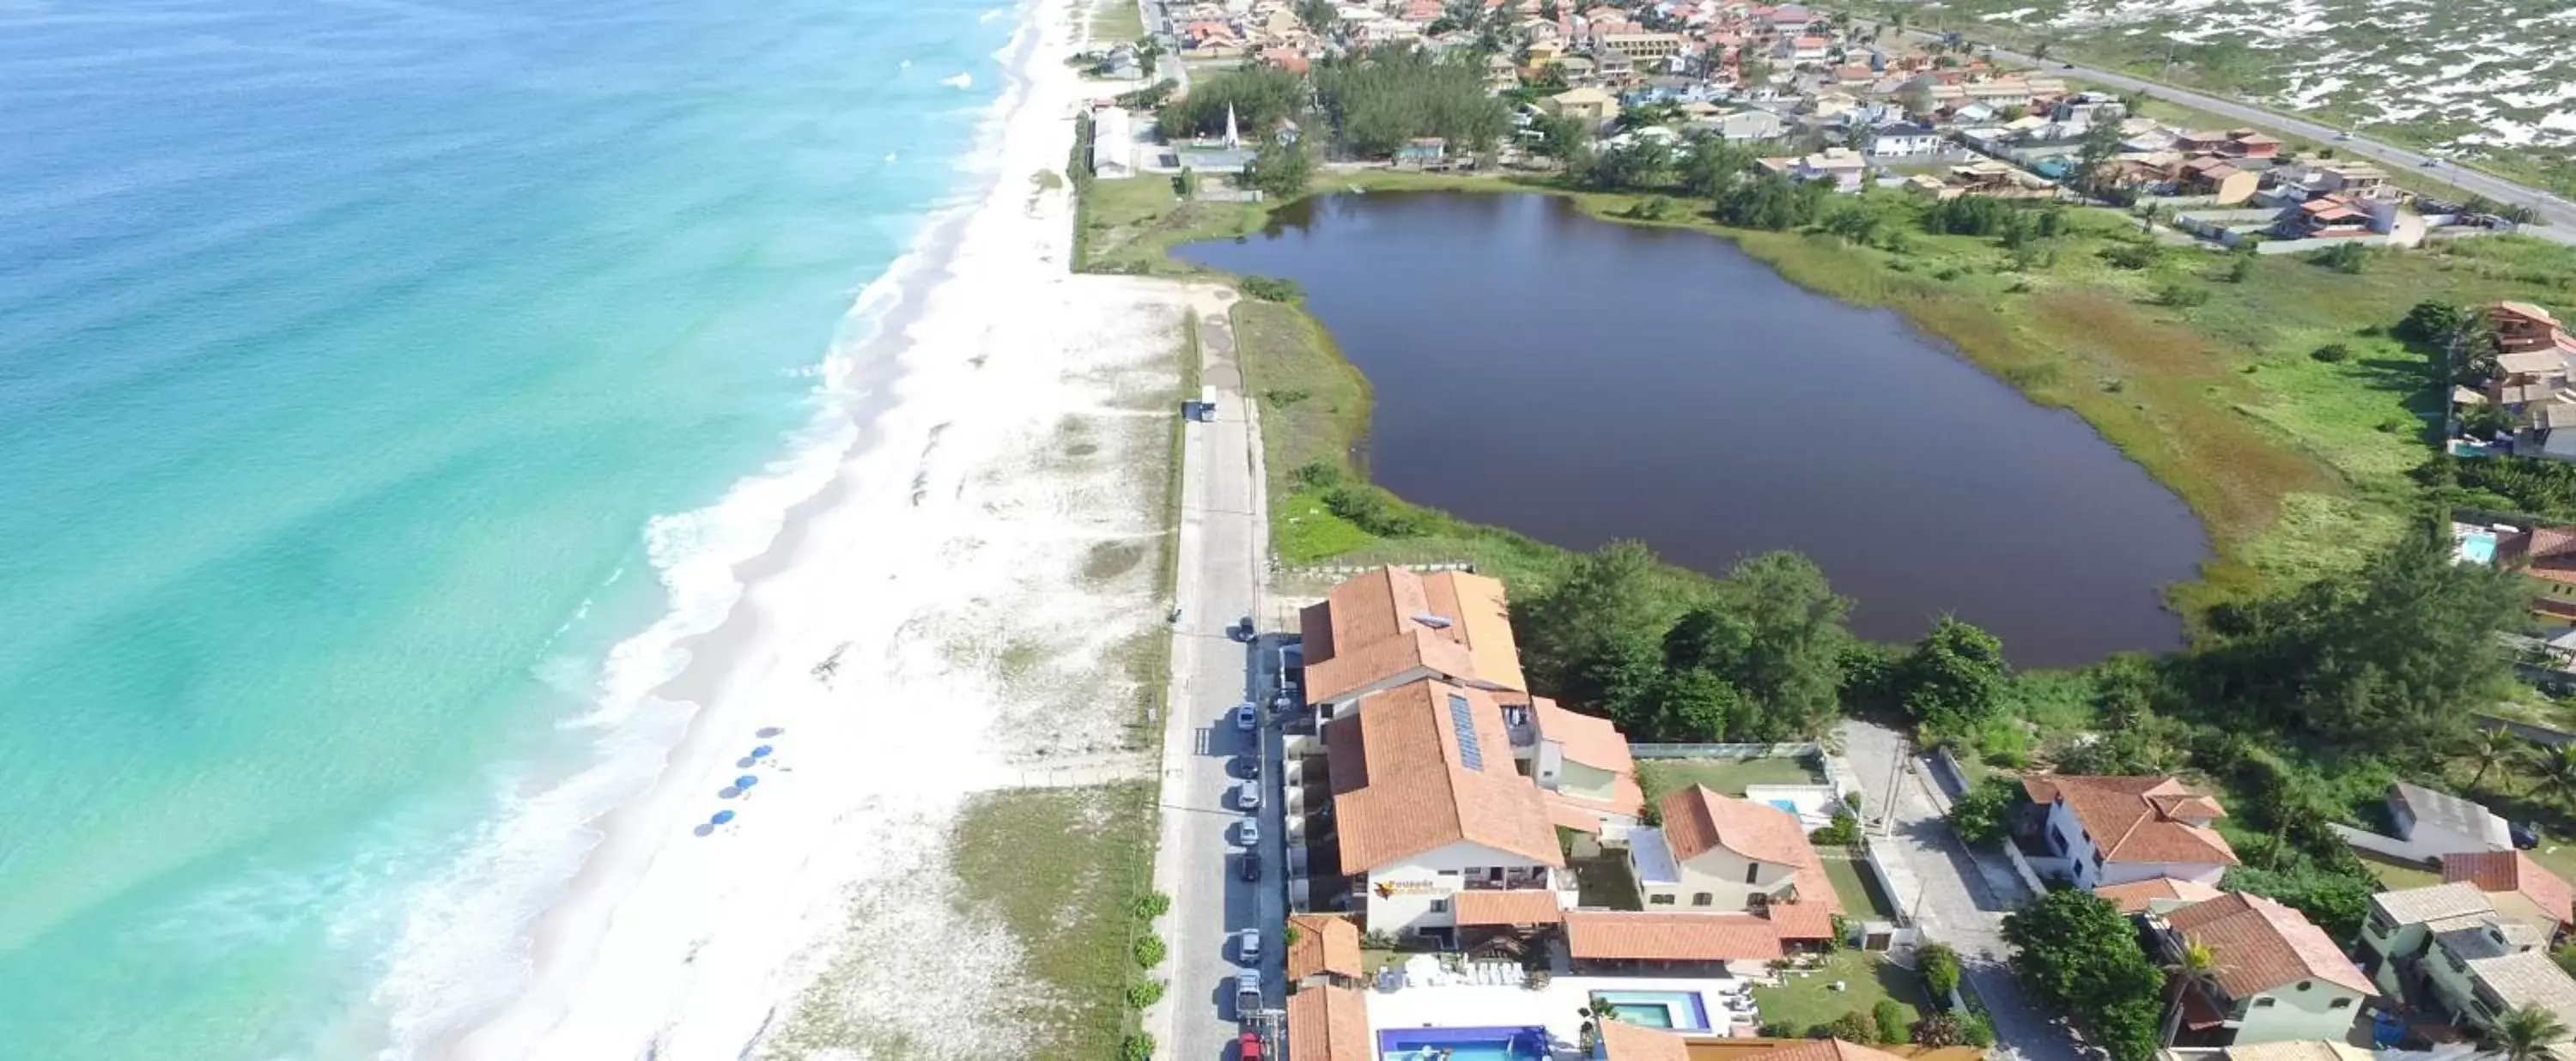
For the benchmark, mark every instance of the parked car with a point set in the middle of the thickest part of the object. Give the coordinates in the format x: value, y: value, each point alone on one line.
x: 2525, y: 835
x: 1247, y: 1046
x: 1247, y: 717
x: 1250, y: 832
x: 1247, y: 946
x: 1248, y: 795
x: 1249, y: 866
x: 1247, y: 993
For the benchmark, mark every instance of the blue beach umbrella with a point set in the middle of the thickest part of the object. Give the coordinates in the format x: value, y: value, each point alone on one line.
x: 745, y: 781
x: 721, y: 817
x: 760, y: 751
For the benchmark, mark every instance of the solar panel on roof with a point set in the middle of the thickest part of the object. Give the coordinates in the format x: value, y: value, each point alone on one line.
x: 1464, y: 722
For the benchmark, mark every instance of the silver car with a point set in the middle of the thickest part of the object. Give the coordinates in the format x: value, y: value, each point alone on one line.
x: 1247, y: 945
x: 1249, y: 832
x: 1248, y: 795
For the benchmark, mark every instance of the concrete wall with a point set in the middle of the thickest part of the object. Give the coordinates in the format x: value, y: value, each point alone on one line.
x: 2310, y: 1009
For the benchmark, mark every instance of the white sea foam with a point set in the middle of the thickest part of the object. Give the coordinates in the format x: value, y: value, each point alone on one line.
x: 959, y: 80
x: 829, y: 596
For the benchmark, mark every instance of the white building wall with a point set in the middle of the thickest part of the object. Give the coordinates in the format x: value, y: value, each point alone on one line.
x: 1721, y: 875
x: 1423, y: 889
x: 2296, y: 1015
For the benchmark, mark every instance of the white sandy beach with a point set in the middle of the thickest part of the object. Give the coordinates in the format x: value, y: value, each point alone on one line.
x: 919, y: 630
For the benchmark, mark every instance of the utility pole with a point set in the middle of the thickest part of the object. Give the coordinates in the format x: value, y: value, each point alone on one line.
x: 1896, y: 770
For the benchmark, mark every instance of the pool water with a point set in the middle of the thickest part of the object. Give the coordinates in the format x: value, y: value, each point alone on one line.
x: 2478, y: 547
x: 1464, y: 1044
x: 1677, y: 1010
x: 1789, y: 805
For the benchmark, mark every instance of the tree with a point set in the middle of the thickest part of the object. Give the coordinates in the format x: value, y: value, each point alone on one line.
x: 1694, y: 706
x: 1280, y: 170
x: 2525, y: 1033
x: 2494, y: 746
x: 1599, y: 1013
x: 2194, y: 969
x: 1618, y: 591
x: 2101, y: 145
x: 2430, y: 321
x: 1776, y: 631
x: 1710, y: 165
x: 1623, y: 679
x: 2336, y: 898
x: 1938, y: 964
x: 1393, y: 94
x: 2557, y: 768
x: 1260, y: 97
x: 2078, y: 951
x: 1955, y: 678
x: 1148, y: 52
x: 1984, y: 815
x: 1317, y: 15
x: 1560, y: 137
x: 1854, y: 1027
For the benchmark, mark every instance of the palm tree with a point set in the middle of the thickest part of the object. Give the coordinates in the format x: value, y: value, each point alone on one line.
x: 2492, y: 748
x: 1601, y: 1012
x: 2558, y: 773
x: 2194, y: 969
x: 2525, y: 1033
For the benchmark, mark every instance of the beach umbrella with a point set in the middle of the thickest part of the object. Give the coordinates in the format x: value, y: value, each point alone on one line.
x: 760, y: 751
x: 745, y: 781
x: 721, y: 817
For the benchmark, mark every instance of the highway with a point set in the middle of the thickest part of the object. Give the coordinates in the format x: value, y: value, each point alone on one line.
x: 2558, y: 212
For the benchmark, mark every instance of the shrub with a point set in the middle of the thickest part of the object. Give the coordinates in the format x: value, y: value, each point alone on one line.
x: 1890, y: 1017
x: 1938, y: 963
x: 1779, y: 1029
x: 2349, y: 257
x: 1376, y: 511
x: 1981, y: 816
x: 1150, y: 951
x: 1283, y: 397
x: 1152, y: 905
x: 1978, y: 1028
x: 1316, y: 475
x: 2130, y: 255
x: 1271, y: 289
x: 2332, y: 353
x: 1138, y: 1046
x: 1144, y: 993
x: 1940, y: 1029
x: 1844, y: 832
x: 1854, y: 1027
x: 2181, y: 295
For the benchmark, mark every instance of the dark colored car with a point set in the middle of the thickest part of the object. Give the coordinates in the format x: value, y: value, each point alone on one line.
x: 1250, y: 868
x: 2525, y: 835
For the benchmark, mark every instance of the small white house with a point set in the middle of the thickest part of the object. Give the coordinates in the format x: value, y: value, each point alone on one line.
x: 2279, y: 977
x: 1113, y: 144
x: 2114, y: 830
x: 1904, y: 140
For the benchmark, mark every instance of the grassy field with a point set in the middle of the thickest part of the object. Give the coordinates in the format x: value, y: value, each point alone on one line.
x: 1803, y: 1002
x: 2396, y: 876
x: 1861, y: 897
x: 1725, y: 776
x: 1061, y: 868
x: 1116, y: 22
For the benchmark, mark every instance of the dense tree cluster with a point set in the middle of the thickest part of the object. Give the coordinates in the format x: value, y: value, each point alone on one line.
x: 1390, y: 95
x: 2081, y: 953
x: 1261, y: 96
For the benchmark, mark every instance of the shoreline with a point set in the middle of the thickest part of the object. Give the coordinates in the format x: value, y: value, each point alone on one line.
x: 947, y: 520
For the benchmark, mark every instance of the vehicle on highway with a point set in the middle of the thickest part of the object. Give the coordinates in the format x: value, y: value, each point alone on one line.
x: 1248, y: 795
x: 1249, y: 866
x: 1247, y: 993
x: 2345, y: 134
x: 2432, y: 162
x: 1247, y: 946
x: 1247, y: 717
x: 1250, y: 832
x: 2066, y: 66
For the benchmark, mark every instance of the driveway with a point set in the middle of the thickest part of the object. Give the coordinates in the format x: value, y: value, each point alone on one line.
x: 1961, y: 898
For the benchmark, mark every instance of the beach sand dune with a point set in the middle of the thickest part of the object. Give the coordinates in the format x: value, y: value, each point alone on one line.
x: 947, y: 616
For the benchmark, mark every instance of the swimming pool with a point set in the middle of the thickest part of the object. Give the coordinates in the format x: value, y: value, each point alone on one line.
x: 1677, y: 1010
x: 1464, y: 1044
x: 2478, y: 547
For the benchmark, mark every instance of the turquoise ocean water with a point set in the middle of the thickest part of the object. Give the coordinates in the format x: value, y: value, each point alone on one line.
x: 366, y: 369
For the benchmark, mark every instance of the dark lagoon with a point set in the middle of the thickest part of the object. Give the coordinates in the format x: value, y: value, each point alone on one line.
x: 1581, y: 381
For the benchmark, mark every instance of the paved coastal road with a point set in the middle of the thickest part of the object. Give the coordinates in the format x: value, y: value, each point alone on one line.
x: 1963, y: 898
x: 2560, y: 213
x: 1223, y: 537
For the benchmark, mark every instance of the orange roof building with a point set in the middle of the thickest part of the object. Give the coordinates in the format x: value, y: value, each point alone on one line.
x: 1391, y: 627
x: 1716, y: 852
x: 2156, y: 895
x: 2116, y: 830
x: 1622, y: 1041
x: 1627, y: 939
x: 1326, y: 946
x: 1328, y: 1024
x: 2519, y: 887
x: 2276, y: 977
x: 1427, y: 804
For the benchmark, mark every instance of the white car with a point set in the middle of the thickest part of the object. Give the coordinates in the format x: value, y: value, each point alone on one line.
x: 1250, y: 832
x: 1247, y: 717
x: 1247, y: 945
x: 1248, y: 795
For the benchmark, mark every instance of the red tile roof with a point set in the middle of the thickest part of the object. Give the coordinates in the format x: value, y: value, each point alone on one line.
x: 1325, y: 945
x: 1622, y: 1041
x: 1385, y: 623
x: 2262, y: 945
x: 1626, y: 934
x: 1508, y: 906
x: 1822, y: 1050
x: 1402, y: 784
x: 2139, y: 819
x: 2513, y: 871
x: 2137, y: 897
x: 1328, y: 1024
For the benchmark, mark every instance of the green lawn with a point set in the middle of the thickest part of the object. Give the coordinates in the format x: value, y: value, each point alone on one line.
x: 1860, y: 895
x: 1130, y: 225
x: 1115, y: 22
x: 2396, y: 876
x: 1802, y: 1002
x: 1061, y: 868
x: 1606, y: 882
x: 1725, y: 776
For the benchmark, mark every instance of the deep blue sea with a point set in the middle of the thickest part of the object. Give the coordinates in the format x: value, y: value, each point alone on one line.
x: 369, y: 369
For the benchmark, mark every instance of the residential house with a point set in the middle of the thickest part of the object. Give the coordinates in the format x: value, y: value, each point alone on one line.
x: 1715, y: 852
x: 2223, y: 181
x: 2325, y: 217
x: 1846, y: 168
x: 1993, y: 179
x: 2087, y: 108
x: 1500, y: 74
x: 1589, y: 105
x: 2114, y: 830
x: 1324, y: 950
x: 1328, y: 1024
x: 1288, y: 59
x: 1580, y: 71
x: 1113, y: 143
x: 2438, y: 824
x: 1832, y: 103
x: 1391, y: 627
x: 1904, y: 140
x: 2156, y: 895
x: 1629, y: 941
x: 2447, y: 948
x: 1746, y: 124
x: 2531, y: 384
x: 1613, y: 68
x: 1622, y: 1041
x: 2278, y: 976
x: 2249, y: 143
x: 2198, y: 141
x: 1546, y: 51
x: 1803, y: 49
x: 1579, y: 761
x: 1639, y: 46
x: 1422, y: 151
x: 2545, y: 555
x: 1427, y: 804
x: 2518, y: 887
x: 1788, y: 20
